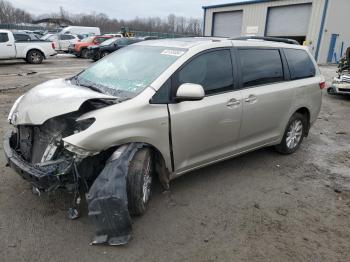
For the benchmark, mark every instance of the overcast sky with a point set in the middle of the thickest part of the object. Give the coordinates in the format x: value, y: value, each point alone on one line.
x: 120, y: 9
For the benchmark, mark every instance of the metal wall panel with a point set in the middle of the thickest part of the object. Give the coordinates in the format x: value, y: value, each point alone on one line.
x: 290, y: 20
x: 335, y: 23
x: 227, y: 24
x: 255, y: 15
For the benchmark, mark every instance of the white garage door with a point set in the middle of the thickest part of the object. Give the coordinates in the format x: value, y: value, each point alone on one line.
x: 228, y: 24
x: 290, y: 20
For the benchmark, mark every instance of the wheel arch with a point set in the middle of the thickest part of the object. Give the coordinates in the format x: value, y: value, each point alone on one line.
x: 160, y: 166
x: 35, y: 49
x: 306, y: 113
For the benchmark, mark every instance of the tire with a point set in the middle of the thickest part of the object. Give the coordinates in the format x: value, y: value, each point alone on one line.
x: 103, y: 54
x: 139, y: 181
x: 84, y: 53
x: 34, y: 57
x: 293, y: 135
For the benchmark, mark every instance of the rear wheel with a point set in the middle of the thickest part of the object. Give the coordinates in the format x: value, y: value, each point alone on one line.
x: 293, y: 135
x: 34, y: 57
x: 139, y: 181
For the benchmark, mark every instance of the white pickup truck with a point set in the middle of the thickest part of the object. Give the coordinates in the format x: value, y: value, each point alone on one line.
x: 33, y: 51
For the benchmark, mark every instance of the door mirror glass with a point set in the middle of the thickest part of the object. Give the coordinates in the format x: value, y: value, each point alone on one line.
x: 190, y: 92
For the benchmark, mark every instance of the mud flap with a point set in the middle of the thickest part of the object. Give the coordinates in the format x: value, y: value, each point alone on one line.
x: 108, y: 201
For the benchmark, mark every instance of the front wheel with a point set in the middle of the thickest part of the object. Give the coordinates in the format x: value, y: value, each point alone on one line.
x: 139, y: 181
x: 293, y: 135
x: 34, y: 57
x: 103, y: 54
x: 84, y: 53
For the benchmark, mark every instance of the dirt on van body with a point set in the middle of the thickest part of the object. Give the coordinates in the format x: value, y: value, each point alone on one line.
x: 261, y: 206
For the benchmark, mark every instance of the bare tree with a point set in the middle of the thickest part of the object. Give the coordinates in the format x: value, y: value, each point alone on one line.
x: 10, y: 14
x: 171, y: 24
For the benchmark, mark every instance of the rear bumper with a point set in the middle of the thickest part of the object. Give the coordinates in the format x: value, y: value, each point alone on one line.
x: 43, y: 178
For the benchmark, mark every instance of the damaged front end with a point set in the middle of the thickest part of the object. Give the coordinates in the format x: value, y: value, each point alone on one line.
x: 39, y: 154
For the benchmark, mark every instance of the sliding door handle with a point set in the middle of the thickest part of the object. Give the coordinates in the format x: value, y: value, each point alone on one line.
x: 233, y: 102
x: 251, y: 98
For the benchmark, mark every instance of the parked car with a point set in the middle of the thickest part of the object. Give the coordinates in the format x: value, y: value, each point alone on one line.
x: 33, y: 52
x: 157, y: 110
x: 97, y: 52
x: 21, y: 36
x: 62, y: 42
x: 81, y: 30
x: 80, y: 49
x: 341, y: 83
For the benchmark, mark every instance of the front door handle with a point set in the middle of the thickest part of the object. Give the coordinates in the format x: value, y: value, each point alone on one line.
x: 233, y: 102
x: 8, y: 45
x: 251, y: 98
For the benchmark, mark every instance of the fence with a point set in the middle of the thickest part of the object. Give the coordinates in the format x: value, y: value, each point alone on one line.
x: 134, y: 32
x: 21, y: 27
x: 157, y: 34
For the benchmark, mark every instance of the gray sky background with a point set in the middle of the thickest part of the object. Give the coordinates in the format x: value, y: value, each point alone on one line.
x: 120, y: 9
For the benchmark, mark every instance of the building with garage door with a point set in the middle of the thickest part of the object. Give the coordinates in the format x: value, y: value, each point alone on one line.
x: 320, y: 24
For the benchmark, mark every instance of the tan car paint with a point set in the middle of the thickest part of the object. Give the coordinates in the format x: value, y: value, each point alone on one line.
x: 205, y: 131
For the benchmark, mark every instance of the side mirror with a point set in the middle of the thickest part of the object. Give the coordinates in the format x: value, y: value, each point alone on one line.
x: 190, y: 92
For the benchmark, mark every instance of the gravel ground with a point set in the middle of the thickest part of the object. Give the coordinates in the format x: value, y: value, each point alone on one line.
x: 258, y: 207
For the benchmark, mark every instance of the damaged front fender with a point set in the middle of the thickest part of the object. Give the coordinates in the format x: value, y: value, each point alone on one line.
x: 108, y: 201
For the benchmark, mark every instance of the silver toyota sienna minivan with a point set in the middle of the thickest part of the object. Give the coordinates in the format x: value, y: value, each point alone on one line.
x: 156, y: 110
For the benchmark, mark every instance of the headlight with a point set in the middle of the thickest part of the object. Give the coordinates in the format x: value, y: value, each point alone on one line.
x: 78, y: 150
x: 14, y: 107
x: 83, y: 124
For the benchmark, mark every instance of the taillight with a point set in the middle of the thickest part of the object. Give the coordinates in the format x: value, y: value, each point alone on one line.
x: 322, y: 84
x: 53, y: 45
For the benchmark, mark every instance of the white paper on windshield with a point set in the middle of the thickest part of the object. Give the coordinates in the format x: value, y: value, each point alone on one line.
x: 172, y: 52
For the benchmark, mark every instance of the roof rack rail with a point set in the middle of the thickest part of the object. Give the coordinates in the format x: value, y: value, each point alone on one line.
x: 267, y: 38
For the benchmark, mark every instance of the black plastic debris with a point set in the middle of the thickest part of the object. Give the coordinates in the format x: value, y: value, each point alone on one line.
x: 108, y: 200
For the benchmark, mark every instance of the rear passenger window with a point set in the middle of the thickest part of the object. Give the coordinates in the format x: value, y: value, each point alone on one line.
x: 260, y: 66
x: 4, y: 37
x: 212, y: 70
x: 21, y: 37
x: 299, y: 63
x: 67, y: 37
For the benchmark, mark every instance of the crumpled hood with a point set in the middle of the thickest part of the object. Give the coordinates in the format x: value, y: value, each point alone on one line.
x: 50, y: 99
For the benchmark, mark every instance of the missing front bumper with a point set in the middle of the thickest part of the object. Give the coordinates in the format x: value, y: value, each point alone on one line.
x: 45, y: 176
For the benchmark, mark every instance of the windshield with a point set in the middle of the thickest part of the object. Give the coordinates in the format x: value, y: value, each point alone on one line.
x: 45, y: 37
x: 109, y: 41
x: 129, y: 70
x: 87, y: 39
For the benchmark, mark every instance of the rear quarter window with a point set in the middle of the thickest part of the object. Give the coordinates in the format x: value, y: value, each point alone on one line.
x: 299, y: 63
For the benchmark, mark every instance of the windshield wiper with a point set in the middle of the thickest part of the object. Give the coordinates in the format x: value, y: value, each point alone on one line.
x: 92, y: 87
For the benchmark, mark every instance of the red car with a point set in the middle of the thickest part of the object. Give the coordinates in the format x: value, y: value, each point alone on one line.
x: 80, y: 48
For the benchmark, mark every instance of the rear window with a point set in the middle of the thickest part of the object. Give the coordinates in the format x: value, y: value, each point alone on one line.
x: 260, y: 66
x: 300, y: 64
